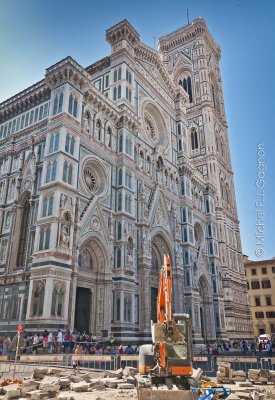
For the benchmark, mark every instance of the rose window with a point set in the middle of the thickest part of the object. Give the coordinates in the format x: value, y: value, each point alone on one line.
x: 150, y: 126
x: 90, y: 179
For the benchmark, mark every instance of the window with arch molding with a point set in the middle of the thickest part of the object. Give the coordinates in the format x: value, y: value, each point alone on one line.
x: 38, y: 299
x: 57, y: 300
x: 44, y: 239
x: 54, y: 142
x: 194, y: 140
x: 69, y: 144
x: 51, y: 171
x: 186, y: 83
x: 67, y: 172
x: 58, y: 104
x: 47, y: 205
x: 73, y: 105
x: 128, y: 146
x: 127, y: 307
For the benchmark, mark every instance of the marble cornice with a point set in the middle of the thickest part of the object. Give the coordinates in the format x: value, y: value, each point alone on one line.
x: 25, y: 100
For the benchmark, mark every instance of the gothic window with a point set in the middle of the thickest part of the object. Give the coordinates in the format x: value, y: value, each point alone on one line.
x: 187, y: 86
x: 187, y: 278
x: 180, y: 145
x: 75, y: 108
x: 119, y: 74
x: 109, y: 137
x: 184, y: 215
x: 119, y: 92
x: 72, y: 145
x: 207, y: 206
x: 67, y: 172
x: 209, y: 230
x: 23, y: 238
x: 57, y: 104
x: 44, y: 240
x: 128, y: 204
x: 12, y: 190
x: 185, y: 235
x: 120, y: 177
x: 57, y: 300
x: 115, y: 75
x: 128, y: 179
x: 155, y: 262
x: 128, y: 146
x: 211, y: 250
x: 115, y: 94
x: 118, y: 258
x: 120, y: 143
x: 128, y: 76
x: 182, y: 187
x: 71, y: 100
x: 214, y: 286
x: 128, y: 94
x: 119, y: 201
x: 194, y: 140
x: 38, y: 299
x: 119, y: 230
x: 51, y: 171
x: 127, y: 308
x: 67, y: 143
x: 118, y: 309
x: 47, y: 206
x: 186, y: 258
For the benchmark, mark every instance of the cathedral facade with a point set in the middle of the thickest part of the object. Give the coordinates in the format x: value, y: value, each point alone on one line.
x: 106, y: 168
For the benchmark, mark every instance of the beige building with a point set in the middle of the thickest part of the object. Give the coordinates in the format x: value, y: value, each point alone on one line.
x: 261, y: 291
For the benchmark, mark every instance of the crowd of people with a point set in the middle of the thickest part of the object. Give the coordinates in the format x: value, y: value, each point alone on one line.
x: 252, y: 346
x: 59, y: 341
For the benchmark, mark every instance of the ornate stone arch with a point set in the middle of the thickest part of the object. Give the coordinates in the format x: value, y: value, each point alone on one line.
x: 96, y: 255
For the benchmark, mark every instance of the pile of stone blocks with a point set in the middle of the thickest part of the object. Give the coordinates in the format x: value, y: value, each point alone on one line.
x: 239, y: 376
x: 48, y: 383
x: 261, y: 376
x: 224, y: 372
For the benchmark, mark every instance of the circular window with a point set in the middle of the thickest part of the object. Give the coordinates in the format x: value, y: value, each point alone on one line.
x: 90, y: 179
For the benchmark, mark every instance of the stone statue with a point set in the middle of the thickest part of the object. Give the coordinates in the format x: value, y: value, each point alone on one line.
x: 65, y: 235
x: 87, y: 123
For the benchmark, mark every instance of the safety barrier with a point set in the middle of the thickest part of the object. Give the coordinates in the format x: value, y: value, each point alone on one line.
x: 96, y: 361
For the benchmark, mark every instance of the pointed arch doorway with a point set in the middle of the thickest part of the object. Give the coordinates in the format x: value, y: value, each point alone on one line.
x: 204, y: 309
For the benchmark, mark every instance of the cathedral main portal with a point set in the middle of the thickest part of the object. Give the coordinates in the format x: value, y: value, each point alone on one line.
x: 83, y: 309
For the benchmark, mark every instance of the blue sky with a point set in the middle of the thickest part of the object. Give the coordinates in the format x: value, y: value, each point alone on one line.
x: 36, y: 34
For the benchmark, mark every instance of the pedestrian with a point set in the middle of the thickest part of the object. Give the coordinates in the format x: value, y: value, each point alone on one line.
x: 120, y: 350
x: 76, y: 362
x: 260, y: 347
x: 51, y: 340
x: 268, y: 348
x: 59, y: 340
x: 129, y: 349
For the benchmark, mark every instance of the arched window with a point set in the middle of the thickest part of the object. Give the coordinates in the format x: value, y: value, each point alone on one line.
x: 57, y: 301
x: 119, y: 92
x: 115, y: 75
x: 118, y: 258
x: 186, y: 83
x: 51, y: 147
x: 119, y: 74
x: 120, y: 143
x: 72, y: 145
x: 115, y: 94
x: 120, y: 177
x: 71, y: 101
x: 38, y: 299
x: 60, y: 103
x: 209, y: 228
x: 54, y: 166
x: 194, y: 139
x: 45, y: 206
x: 187, y: 278
x: 180, y: 145
x: 56, y: 141
x: 67, y: 143
x: 119, y: 201
x: 70, y: 174
x: 119, y: 230
x: 186, y: 258
x: 75, y: 108
x: 48, y: 172
x: 118, y: 309
x: 55, y: 105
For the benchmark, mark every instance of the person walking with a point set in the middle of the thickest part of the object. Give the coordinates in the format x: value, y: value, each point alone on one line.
x: 59, y: 340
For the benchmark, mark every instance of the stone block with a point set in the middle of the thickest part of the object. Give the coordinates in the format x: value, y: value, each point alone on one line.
x: 197, y: 373
x: 239, y: 373
x: 243, y: 395
x: 64, y: 383
x: 76, y: 378
x: 130, y: 371
x: 114, y: 374
x: 79, y: 386
x: 37, y: 395
x: 97, y: 384
x: 40, y: 372
x: 126, y: 386
x: 54, y: 371
x: 50, y: 384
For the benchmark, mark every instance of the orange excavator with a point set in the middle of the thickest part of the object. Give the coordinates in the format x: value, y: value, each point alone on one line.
x: 167, y: 362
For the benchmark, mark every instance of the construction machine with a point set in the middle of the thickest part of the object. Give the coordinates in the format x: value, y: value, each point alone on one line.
x: 167, y: 362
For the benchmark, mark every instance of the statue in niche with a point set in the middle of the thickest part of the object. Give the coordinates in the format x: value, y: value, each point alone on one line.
x: 87, y: 122
x: 65, y: 235
x: 85, y: 259
x: 3, y: 251
x: 129, y: 254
